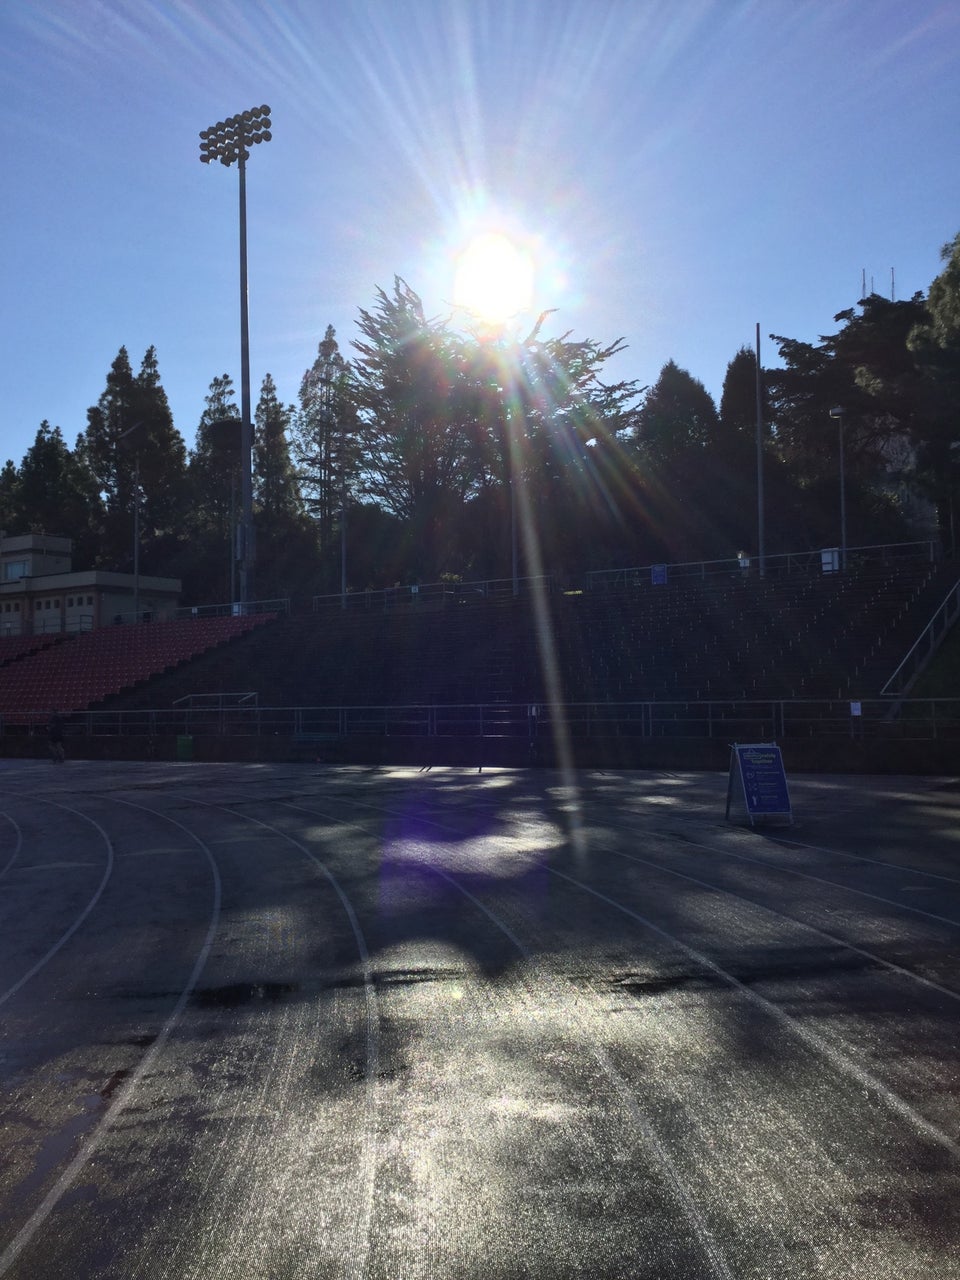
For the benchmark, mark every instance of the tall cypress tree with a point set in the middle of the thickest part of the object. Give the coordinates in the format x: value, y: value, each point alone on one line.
x: 162, y: 455
x: 112, y: 467
x: 286, y: 537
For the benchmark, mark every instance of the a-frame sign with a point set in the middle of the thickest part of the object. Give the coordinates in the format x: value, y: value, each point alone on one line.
x: 757, y: 780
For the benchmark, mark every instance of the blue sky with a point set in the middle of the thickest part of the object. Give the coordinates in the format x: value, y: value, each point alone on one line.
x: 680, y: 171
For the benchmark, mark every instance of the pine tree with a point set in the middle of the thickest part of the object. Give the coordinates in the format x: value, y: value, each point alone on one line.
x: 160, y: 450
x: 213, y: 475
x: 325, y: 440
x: 130, y: 433
x: 286, y: 539
x: 275, y: 489
x: 55, y: 492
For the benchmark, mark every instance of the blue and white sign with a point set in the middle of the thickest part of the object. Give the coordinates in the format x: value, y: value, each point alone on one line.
x: 758, y: 780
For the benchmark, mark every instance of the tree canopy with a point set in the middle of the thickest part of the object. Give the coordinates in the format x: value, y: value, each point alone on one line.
x: 437, y: 447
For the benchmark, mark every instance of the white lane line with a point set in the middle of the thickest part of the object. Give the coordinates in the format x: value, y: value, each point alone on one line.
x: 835, y: 1056
x: 743, y: 857
x: 17, y: 847
x: 68, y: 934
x: 839, y: 1060
x: 858, y: 857
x: 783, y: 915
x: 687, y: 1203
x: 785, y: 841
x: 808, y: 875
x: 125, y: 1094
x: 370, y: 1155
x: 684, y: 840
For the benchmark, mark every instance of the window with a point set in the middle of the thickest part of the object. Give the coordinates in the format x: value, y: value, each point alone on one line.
x: 14, y: 569
x: 89, y: 599
x: 69, y: 602
x: 46, y: 604
x: 37, y: 605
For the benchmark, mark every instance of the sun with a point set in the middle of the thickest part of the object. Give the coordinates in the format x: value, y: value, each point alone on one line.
x: 494, y: 278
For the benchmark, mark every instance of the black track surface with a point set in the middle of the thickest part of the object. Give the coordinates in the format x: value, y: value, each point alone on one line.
x: 287, y: 1021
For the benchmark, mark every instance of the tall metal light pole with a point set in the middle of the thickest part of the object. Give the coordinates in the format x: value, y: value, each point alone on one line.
x: 838, y: 414
x: 761, y: 536
x: 227, y: 141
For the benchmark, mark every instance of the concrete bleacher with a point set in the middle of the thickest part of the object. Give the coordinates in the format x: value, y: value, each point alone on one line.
x: 83, y: 669
x: 726, y: 637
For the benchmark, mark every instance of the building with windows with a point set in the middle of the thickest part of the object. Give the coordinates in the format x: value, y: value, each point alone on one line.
x: 41, y: 594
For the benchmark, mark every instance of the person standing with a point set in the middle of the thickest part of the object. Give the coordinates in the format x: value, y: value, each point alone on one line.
x: 55, y: 737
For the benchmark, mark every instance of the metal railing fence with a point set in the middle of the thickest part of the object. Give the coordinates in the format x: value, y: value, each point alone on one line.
x: 780, y: 719
x: 817, y: 562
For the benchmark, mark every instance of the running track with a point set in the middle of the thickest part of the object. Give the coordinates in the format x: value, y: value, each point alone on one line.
x: 290, y: 1021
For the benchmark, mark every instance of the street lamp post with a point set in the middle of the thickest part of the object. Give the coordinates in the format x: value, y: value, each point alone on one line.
x: 227, y: 141
x: 838, y: 414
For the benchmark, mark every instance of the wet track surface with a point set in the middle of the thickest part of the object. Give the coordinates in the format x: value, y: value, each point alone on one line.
x: 290, y: 1021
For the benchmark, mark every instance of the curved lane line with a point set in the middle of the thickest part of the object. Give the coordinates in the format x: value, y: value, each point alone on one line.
x: 124, y: 1095
x: 65, y: 937
x: 834, y: 884
x: 783, y: 915
x: 19, y: 845
x: 786, y: 842
x: 857, y: 857
x: 838, y: 1059
x: 371, y: 1141
x: 627, y: 1098
x: 772, y: 866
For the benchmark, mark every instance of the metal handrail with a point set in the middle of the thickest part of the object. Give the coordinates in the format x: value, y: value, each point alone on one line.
x: 426, y: 593
x: 788, y: 562
x: 234, y: 608
x: 717, y: 719
x: 926, y: 644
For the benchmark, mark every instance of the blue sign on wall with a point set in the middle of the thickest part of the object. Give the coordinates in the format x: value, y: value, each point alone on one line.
x: 658, y: 575
x: 757, y: 778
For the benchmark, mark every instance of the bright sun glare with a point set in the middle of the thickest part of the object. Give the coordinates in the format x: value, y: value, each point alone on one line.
x: 494, y: 278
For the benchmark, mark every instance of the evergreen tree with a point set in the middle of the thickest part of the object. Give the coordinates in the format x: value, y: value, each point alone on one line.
x: 130, y: 431
x: 56, y: 493
x: 286, y: 543
x: 214, y: 477
x: 415, y: 446
x: 934, y: 343
x: 162, y: 456
x: 9, y: 499
x: 275, y: 488
x: 113, y: 414
x: 866, y: 370
x: 678, y: 415
x: 325, y: 438
x: 676, y: 444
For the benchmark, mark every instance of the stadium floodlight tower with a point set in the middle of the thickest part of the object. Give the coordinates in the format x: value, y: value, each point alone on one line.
x: 227, y: 141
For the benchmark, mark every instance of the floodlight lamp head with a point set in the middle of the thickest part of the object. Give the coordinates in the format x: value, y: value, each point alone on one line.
x: 836, y: 412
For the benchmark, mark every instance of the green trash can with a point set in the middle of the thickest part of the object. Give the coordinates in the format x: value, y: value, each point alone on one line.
x: 184, y: 746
